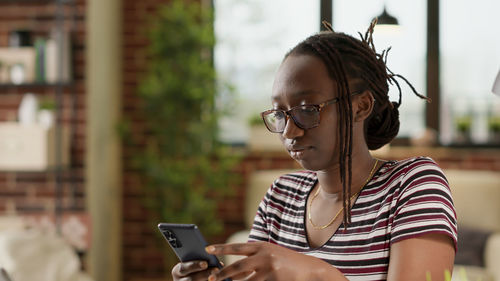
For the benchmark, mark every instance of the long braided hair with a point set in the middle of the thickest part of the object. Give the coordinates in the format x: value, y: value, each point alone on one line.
x: 347, y: 57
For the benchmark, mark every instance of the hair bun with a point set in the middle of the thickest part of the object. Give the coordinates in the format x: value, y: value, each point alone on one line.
x: 382, y: 127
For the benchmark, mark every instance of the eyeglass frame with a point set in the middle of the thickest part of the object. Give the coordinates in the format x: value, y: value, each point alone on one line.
x: 287, y: 113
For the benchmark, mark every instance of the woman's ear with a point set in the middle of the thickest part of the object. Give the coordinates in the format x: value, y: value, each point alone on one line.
x: 363, y: 105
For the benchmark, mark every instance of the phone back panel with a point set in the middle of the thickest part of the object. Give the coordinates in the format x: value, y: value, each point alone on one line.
x: 187, y: 242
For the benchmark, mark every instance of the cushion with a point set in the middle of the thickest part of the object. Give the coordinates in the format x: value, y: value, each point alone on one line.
x: 471, y: 245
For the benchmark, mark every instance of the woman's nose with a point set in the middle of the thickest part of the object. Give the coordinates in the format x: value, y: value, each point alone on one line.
x: 291, y: 130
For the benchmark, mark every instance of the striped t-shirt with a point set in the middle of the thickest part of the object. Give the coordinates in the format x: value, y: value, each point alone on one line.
x: 404, y: 199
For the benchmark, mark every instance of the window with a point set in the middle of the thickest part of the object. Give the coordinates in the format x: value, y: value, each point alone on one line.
x: 470, y: 61
x: 407, y: 56
x: 252, y: 38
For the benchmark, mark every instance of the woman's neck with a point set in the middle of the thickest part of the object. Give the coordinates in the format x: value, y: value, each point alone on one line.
x: 329, y: 180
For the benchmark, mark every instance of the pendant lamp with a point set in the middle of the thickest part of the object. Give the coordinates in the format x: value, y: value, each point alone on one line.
x: 386, y: 19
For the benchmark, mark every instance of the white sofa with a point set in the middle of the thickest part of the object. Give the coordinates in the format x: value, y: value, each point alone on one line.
x: 476, y: 196
x: 36, y: 254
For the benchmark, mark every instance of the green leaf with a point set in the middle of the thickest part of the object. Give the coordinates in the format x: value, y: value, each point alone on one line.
x: 183, y: 166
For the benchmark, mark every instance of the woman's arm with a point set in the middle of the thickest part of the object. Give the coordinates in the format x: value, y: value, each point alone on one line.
x: 424, y: 228
x: 411, y: 259
x: 266, y: 261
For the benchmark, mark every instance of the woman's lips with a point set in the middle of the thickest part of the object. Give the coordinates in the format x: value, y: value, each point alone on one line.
x: 299, y: 153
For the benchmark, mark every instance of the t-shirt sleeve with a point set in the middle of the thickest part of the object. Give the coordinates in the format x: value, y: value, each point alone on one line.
x: 260, y: 229
x: 424, y: 204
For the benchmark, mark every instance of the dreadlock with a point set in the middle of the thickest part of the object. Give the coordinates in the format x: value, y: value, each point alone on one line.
x: 347, y: 57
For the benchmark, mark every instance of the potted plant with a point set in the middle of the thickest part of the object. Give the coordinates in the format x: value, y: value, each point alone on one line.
x: 260, y: 139
x: 494, y: 129
x: 463, y: 129
x: 46, y: 110
x: 183, y: 166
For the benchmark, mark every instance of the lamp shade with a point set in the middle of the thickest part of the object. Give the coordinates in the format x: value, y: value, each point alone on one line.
x: 387, y: 19
x: 496, y: 85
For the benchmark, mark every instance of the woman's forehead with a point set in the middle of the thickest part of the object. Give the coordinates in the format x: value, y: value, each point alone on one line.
x: 301, y: 75
x: 307, y: 75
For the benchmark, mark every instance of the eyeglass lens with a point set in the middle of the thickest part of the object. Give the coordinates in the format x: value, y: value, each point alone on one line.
x: 305, y: 117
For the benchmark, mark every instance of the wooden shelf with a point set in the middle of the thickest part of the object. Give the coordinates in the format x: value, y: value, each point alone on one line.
x: 35, y: 85
x: 36, y: 1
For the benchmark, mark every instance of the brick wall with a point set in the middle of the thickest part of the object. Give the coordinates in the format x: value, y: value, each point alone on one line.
x: 142, y: 256
x: 33, y: 193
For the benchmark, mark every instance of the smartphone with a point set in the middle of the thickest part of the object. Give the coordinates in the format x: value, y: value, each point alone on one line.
x: 188, y: 243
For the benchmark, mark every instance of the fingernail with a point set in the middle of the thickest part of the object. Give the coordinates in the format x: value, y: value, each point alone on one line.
x: 210, y: 249
x: 211, y: 278
x: 203, y: 264
x: 214, y: 271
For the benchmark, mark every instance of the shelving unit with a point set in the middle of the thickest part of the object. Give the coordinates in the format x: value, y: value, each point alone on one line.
x: 42, y: 17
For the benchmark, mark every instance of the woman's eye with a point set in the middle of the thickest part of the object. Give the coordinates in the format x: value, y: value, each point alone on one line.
x: 308, y: 110
x: 279, y: 115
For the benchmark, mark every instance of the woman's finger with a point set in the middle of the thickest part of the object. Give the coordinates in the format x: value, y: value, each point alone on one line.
x: 242, y: 276
x: 237, y: 269
x: 258, y: 276
x: 185, y: 268
x: 199, y: 276
x: 239, y: 249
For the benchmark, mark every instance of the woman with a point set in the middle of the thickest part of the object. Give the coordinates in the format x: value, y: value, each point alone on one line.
x: 349, y: 216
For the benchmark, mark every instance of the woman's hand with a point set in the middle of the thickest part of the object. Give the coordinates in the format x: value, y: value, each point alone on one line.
x: 193, y: 271
x: 266, y: 261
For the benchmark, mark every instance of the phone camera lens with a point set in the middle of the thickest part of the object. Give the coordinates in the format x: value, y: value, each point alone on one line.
x: 172, y: 239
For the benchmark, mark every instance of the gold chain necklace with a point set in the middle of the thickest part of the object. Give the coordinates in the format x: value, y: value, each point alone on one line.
x: 341, y: 209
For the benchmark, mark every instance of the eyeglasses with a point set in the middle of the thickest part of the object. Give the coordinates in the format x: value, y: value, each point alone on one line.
x: 304, y: 116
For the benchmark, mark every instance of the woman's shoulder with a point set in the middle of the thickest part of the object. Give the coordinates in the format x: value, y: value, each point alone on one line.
x: 416, y: 173
x: 413, y: 162
x: 411, y: 165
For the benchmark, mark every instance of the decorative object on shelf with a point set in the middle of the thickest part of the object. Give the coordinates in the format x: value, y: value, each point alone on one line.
x: 17, y: 73
x: 20, y: 38
x: 27, y: 114
x: 24, y: 56
x: 46, y: 115
x: 31, y: 147
x: 54, y: 52
x: 40, y: 60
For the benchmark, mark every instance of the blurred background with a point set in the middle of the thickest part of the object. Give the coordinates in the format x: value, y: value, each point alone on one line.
x: 118, y: 114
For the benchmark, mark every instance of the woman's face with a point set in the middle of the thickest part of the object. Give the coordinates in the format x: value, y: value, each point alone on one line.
x: 301, y: 80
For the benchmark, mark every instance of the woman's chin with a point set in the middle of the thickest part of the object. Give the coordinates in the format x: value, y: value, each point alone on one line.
x: 313, y: 161
x: 311, y: 165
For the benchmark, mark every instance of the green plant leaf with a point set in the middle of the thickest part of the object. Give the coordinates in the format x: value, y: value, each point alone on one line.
x: 183, y: 166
